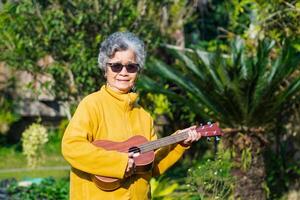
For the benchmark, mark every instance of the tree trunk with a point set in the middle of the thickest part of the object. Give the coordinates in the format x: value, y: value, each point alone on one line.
x: 249, y: 171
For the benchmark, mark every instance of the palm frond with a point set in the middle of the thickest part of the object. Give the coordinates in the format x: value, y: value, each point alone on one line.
x: 190, y: 64
x: 206, y: 58
x: 242, y: 88
x: 149, y: 85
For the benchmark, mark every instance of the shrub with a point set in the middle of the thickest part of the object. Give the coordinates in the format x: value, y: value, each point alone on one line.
x: 211, y: 179
x: 48, y: 189
x: 162, y: 188
x: 33, y: 140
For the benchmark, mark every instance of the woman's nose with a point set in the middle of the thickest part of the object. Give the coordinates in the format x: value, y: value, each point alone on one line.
x: 123, y: 71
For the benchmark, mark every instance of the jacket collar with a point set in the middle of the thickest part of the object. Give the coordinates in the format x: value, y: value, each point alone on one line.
x: 127, y: 100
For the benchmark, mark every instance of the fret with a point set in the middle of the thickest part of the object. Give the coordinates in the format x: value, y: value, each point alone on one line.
x: 206, y: 131
x: 172, y: 139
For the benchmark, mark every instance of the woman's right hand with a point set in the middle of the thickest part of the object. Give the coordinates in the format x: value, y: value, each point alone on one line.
x: 130, y: 169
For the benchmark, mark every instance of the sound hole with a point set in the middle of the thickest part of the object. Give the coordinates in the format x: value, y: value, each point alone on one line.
x: 134, y: 150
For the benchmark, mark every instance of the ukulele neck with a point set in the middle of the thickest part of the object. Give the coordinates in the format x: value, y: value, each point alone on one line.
x: 172, y: 139
x: 209, y: 130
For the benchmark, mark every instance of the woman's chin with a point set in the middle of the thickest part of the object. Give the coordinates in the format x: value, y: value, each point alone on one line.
x: 124, y: 89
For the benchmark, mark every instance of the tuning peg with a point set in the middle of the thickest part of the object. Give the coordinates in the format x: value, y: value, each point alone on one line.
x: 209, y: 123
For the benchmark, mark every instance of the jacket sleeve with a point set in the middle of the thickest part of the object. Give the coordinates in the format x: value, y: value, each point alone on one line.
x: 78, y: 150
x: 166, y: 157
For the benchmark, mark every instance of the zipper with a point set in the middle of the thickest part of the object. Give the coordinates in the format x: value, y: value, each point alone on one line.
x: 128, y: 126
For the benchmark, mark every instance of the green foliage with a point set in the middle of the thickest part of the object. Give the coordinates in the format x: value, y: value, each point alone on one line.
x: 272, y: 18
x: 244, y: 88
x: 239, y: 89
x: 61, y: 38
x: 49, y: 189
x: 7, y: 115
x: 203, y: 28
x: 33, y: 140
x: 211, y: 179
x: 160, y: 106
x: 8, y: 106
x: 162, y: 188
x: 217, y: 21
x: 207, y: 179
x: 283, y: 171
x: 246, y: 159
x: 62, y: 127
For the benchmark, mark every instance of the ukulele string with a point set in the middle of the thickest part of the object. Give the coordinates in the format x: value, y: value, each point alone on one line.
x: 164, y: 141
x: 171, y: 140
x: 151, y: 145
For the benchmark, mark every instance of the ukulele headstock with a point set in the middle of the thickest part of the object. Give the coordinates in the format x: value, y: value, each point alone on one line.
x: 210, y: 130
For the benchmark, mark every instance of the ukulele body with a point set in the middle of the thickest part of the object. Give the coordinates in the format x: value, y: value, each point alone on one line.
x: 143, y: 162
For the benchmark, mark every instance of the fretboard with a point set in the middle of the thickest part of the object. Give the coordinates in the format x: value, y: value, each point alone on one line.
x: 172, y: 139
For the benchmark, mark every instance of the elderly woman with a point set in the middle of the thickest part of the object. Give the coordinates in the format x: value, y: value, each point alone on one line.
x: 112, y: 113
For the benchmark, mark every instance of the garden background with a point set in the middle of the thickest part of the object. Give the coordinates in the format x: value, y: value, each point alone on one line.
x: 234, y: 62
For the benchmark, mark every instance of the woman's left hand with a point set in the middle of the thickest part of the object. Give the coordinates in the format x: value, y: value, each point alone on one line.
x: 193, y: 136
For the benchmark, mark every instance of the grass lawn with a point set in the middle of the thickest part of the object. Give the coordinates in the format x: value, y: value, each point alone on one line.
x: 23, y: 175
x: 14, y: 164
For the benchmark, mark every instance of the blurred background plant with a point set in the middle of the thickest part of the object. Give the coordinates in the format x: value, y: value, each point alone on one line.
x: 163, y: 188
x: 8, y: 114
x: 207, y: 179
x: 48, y: 188
x: 211, y: 178
x: 33, y: 140
x: 61, y: 38
x: 243, y: 89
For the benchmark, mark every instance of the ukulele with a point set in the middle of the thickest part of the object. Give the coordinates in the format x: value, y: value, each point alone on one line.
x: 139, y: 144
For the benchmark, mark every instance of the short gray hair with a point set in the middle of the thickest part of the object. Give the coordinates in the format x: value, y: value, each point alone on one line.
x: 121, y: 41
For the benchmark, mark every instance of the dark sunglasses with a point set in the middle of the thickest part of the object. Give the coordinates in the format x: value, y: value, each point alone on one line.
x: 131, y: 67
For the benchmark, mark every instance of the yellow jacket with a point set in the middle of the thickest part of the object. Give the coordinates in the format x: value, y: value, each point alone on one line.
x: 109, y: 115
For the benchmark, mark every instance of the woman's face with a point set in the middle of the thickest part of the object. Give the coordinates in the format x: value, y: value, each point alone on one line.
x: 121, y: 81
